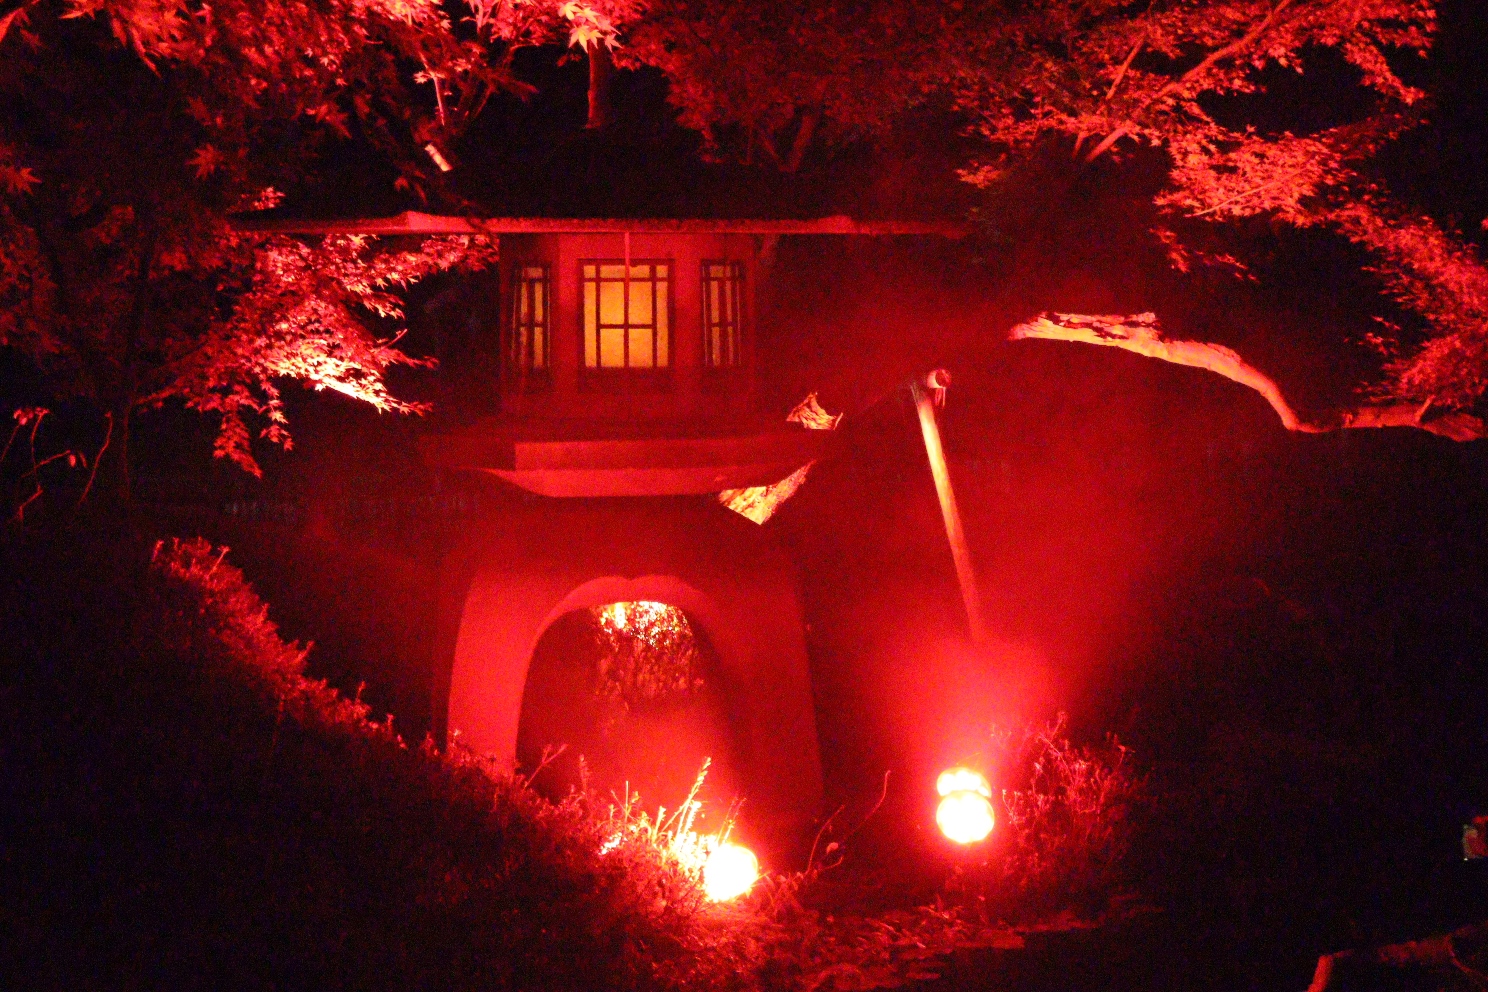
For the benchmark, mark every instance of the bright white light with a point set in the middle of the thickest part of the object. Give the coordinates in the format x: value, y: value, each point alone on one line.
x: 965, y: 811
x: 965, y: 817
x: 962, y: 780
x: 729, y: 872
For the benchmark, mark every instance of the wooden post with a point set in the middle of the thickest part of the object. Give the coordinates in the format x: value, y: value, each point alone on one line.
x: 924, y: 390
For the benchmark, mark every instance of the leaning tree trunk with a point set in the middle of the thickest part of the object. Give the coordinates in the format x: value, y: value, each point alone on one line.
x: 1139, y: 334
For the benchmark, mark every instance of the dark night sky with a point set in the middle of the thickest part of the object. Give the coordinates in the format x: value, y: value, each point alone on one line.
x: 535, y: 157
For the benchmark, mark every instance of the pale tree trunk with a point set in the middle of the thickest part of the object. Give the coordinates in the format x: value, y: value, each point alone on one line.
x: 805, y: 131
x: 1139, y: 334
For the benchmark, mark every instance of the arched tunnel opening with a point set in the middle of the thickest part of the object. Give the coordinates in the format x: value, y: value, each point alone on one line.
x: 629, y: 699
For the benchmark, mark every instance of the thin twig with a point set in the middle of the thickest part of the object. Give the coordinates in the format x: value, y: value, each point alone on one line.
x: 876, y: 807
x: 49, y: 459
x: 20, y: 513
x: 1244, y: 193
x: 11, y: 440
x: 550, y: 754
x: 697, y: 785
x: 35, y: 426
x: 93, y: 472
x: 811, y: 858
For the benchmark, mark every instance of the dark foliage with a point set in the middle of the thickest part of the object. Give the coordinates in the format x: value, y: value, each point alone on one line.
x: 1064, y: 828
x: 183, y: 809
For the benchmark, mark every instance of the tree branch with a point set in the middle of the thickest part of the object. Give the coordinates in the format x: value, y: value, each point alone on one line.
x: 767, y: 142
x: 1115, y: 83
x: 14, y: 17
x: 19, y: 516
x: 1208, y: 62
x: 1139, y: 334
x: 11, y: 440
x: 809, y: 120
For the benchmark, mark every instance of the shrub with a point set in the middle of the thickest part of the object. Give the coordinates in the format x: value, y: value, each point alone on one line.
x: 1065, y: 826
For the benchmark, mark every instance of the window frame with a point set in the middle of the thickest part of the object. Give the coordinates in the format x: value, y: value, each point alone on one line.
x: 531, y: 375
x: 732, y: 322
x: 654, y: 374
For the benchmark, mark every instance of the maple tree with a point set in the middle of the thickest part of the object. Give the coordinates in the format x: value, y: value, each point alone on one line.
x: 765, y: 81
x: 131, y: 131
x: 1111, y: 80
x: 1105, y: 77
x: 769, y: 80
x: 130, y: 134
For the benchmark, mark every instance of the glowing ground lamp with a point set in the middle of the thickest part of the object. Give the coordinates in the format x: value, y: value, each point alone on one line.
x: 729, y: 872
x: 965, y: 811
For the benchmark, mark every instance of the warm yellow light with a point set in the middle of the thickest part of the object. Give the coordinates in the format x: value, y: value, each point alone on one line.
x: 641, y: 614
x: 965, y: 811
x: 729, y: 872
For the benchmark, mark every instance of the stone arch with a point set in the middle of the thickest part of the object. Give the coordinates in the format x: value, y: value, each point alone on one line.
x: 656, y: 750
x: 508, y: 586
x: 669, y: 589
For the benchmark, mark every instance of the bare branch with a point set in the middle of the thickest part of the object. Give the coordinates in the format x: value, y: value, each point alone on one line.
x: 19, y: 517
x: 1121, y: 73
x: 1139, y: 334
x: 1115, y: 84
x: 809, y: 120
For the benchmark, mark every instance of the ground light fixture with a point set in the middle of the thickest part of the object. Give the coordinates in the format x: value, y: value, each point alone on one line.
x: 725, y: 870
x: 730, y: 871
x: 965, y: 811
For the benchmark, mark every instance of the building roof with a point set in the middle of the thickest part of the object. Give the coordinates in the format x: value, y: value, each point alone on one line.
x: 542, y: 458
x: 413, y: 222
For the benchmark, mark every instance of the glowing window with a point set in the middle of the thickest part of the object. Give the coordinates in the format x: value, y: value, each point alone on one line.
x: 627, y: 314
x: 531, y: 295
x: 723, y: 284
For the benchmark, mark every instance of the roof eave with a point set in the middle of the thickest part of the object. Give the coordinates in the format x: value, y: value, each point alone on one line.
x: 413, y: 222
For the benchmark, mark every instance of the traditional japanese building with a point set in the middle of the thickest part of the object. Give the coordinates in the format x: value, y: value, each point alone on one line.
x: 628, y: 402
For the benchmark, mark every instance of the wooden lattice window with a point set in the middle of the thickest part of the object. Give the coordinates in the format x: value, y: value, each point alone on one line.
x: 531, y: 318
x: 627, y: 314
x: 723, y: 285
